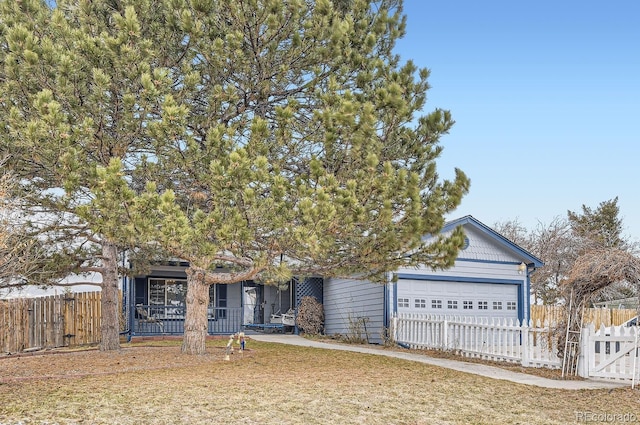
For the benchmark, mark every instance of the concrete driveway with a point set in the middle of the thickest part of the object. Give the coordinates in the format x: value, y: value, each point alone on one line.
x: 461, y: 366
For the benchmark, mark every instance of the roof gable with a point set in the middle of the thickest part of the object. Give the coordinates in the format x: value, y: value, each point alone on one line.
x: 478, y: 231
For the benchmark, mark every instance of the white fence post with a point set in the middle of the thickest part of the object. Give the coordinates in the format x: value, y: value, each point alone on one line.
x: 445, y: 334
x: 585, y: 352
x: 394, y: 328
x: 524, y: 340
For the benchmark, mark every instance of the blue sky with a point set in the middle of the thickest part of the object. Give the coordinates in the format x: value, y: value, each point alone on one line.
x: 546, y: 99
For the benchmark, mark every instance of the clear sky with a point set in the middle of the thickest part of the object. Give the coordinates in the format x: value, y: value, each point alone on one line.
x: 546, y: 99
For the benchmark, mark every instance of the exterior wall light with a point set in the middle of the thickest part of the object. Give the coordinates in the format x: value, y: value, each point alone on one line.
x: 521, y: 268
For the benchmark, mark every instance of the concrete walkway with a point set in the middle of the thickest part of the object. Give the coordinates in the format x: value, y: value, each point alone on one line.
x: 461, y: 366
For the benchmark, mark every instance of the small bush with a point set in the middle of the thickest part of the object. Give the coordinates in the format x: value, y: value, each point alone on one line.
x: 310, y: 317
x: 358, y: 330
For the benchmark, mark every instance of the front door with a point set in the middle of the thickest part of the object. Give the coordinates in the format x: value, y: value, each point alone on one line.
x: 252, y: 303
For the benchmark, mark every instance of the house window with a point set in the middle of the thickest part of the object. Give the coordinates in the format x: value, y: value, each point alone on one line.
x: 497, y: 305
x: 483, y: 305
x: 420, y: 303
x: 218, y: 301
x: 403, y: 302
x: 436, y: 303
x: 511, y: 305
x: 167, y: 297
x: 467, y: 305
x: 453, y: 304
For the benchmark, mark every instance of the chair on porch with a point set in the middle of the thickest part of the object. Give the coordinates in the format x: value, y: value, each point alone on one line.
x: 145, y: 317
x: 287, y: 319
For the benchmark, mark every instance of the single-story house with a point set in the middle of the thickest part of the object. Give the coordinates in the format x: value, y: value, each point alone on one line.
x: 490, y: 278
x: 157, y: 303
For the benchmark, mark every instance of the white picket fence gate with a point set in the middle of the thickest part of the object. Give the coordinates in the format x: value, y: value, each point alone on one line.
x: 610, y: 353
x: 487, y: 338
x: 606, y: 353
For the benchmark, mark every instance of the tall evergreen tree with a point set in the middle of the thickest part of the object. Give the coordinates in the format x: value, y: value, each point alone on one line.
x: 600, y: 227
x: 292, y: 145
x: 255, y: 139
x: 77, y: 94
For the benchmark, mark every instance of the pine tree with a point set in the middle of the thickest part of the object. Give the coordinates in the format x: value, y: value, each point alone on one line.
x: 599, y: 228
x: 292, y: 145
x: 255, y: 139
x: 77, y: 93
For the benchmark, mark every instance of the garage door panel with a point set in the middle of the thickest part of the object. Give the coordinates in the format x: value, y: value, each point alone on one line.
x: 451, y: 298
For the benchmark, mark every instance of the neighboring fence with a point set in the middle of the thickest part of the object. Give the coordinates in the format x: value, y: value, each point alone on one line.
x: 596, y: 316
x: 48, y: 322
x: 491, y: 339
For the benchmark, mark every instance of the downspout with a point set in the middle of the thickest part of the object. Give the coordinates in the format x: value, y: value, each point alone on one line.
x: 391, y: 304
x: 127, y: 304
x: 530, y: 270
x: 385, y: 303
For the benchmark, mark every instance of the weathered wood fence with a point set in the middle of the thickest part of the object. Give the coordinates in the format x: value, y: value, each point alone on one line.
x: 48, y: 322
x: 597, y: 316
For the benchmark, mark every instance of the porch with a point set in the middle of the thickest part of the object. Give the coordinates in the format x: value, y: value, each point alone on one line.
x: 164, y: 320
x: 168, y: 320
x: 157, y: 304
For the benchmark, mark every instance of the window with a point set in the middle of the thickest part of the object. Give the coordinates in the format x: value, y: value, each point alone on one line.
x: 436, y: 303
x: 497, y: 305
x: 420, y: 303
x: 467, y: 305
x: 218, y: 301
x: 403, y: 302
x: 167, y: 297
x: 453, y: 304
x: 511, y: 305
x: 483, y: 305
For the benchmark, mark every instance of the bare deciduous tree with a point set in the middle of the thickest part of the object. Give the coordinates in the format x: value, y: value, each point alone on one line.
x: 30, y: 253
x: 594, y: 271
x: 554, y: 244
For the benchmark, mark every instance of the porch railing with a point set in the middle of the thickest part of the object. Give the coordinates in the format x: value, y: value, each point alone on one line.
x: 164, y: 319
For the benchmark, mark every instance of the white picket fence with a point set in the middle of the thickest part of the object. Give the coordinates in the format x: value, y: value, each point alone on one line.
x: 481, y: 337
x: 606, y: 353
x: 610, y: 353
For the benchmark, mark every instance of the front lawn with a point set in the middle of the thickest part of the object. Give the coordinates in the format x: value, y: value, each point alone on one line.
x: 153, y: 383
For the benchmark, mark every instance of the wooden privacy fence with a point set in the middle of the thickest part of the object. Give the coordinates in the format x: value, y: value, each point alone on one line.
x: 553, y: 314
x: 49, y: 322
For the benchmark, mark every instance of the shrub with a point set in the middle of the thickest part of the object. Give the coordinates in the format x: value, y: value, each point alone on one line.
x: 310, y: 317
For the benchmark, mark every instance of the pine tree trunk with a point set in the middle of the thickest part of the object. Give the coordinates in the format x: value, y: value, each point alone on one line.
x: 109, y: 300
x: 195, y: 321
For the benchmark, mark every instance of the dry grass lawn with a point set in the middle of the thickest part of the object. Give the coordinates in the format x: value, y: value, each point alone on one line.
x: 153, y: 383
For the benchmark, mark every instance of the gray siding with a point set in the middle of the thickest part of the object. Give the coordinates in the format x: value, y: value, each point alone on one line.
x: 234, y: 295
x: 467, y: 269
x: 483, y: 247
x: 350, y: 301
